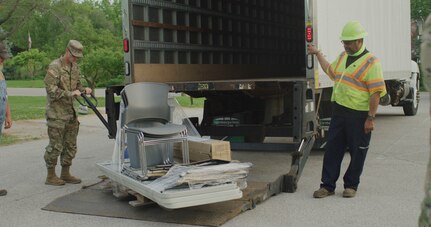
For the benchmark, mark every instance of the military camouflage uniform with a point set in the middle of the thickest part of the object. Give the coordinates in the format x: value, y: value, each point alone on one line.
x: 60, y: 81
x: 425, y: 218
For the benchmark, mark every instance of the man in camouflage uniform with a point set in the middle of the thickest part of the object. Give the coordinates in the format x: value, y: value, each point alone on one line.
x: 425, y: 218
x: 62, y: 85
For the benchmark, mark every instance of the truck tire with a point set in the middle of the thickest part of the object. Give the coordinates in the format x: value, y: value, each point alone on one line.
x: 411, y: 108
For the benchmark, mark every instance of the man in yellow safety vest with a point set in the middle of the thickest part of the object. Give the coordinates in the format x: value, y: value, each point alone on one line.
x: 358, y: 86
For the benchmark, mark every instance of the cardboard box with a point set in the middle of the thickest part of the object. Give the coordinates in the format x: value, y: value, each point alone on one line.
x: 200, y: 149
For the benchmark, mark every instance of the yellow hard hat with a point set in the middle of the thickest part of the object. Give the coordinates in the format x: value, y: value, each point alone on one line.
x: 353, y: 30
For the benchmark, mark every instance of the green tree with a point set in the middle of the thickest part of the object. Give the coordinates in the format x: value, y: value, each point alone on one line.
x: 420, y: 9
x: 29, y: 64
x: 52, y: 23
x: 16, y: 13
x: 112, y: 12
x: 102, y: 66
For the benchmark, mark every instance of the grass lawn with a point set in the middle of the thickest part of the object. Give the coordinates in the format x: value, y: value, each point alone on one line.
x: 25, y: 83
x: 33, y: 107
x: 186, y: 101
x: 26, y: 107
x: 8, y: 140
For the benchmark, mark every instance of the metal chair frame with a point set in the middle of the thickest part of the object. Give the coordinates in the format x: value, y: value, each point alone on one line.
x: 146, y: 139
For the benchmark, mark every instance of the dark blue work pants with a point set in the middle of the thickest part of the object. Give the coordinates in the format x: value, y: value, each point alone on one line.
x: 345, y: 133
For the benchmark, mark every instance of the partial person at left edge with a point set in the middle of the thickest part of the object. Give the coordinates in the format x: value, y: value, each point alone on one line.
x: 5, y: 115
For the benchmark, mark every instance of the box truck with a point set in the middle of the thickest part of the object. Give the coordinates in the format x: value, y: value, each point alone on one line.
x: 248, y: 59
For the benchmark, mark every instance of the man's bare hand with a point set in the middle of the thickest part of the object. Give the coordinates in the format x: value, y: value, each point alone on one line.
x: 368, y: 126
x: 312, y: 49
x: 88, y: 90
x: 8, y: 123
x: 76, y: 93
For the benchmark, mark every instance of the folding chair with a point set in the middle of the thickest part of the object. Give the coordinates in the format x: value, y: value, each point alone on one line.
x: 146, y: 122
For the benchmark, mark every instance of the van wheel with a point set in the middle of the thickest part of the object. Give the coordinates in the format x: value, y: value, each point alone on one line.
x: 411, y: 108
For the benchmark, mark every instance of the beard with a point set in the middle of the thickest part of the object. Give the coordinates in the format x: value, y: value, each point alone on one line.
x: 349, y: 51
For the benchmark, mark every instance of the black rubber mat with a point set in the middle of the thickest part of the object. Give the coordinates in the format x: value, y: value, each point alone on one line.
x: 100, y: 202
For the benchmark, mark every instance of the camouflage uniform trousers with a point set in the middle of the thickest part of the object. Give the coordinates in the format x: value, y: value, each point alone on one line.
x: 425, y: 216
x: 62, y: 142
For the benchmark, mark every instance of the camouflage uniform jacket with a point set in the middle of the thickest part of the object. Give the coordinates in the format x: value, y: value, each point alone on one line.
x: 60, y: 81
x: 425, y: 217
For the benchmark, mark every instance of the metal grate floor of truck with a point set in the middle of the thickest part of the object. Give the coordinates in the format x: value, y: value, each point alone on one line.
x: 265, y: 180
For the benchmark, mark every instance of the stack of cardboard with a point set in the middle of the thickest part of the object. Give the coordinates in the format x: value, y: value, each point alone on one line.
x: 205, y: 149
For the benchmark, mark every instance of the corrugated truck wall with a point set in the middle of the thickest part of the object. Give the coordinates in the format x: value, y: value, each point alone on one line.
x: 217, y: 39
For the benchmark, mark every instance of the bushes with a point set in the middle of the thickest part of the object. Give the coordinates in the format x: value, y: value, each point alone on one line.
x: 30, y: 64
x: 119, y: 80
x: 99, y: 68
x: 102, y: 66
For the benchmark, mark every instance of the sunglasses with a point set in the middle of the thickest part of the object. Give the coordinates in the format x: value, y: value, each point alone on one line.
x: 348, y: 43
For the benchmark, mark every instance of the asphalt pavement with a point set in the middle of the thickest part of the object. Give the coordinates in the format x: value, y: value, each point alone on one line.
x: 390, y: 194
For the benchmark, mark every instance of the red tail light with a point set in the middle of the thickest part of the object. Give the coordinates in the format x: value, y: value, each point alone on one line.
x: 126, y: 45
x: 309, y: 34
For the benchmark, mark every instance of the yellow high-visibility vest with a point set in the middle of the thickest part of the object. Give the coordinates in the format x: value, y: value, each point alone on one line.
x: 354, y: 85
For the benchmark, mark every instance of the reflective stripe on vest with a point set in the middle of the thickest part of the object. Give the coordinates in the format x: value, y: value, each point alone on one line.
x: 352, y: 86
x: 375, y: 85
x: 331, y: 71
x: 354, y: 79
